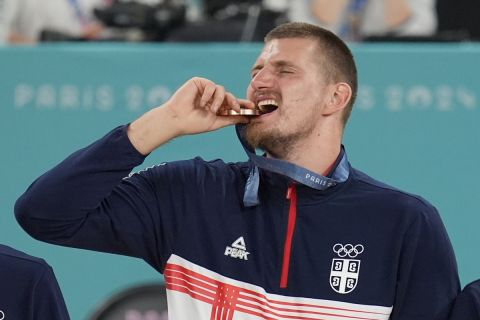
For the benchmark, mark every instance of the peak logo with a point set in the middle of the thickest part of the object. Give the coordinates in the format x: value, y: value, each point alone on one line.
x: 238, y: 249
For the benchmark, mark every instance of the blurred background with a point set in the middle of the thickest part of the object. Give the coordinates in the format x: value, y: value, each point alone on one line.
x: 71, y: 70
x: 30, y: 21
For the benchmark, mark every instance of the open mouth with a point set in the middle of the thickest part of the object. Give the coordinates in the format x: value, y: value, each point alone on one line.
x: 267, y: 106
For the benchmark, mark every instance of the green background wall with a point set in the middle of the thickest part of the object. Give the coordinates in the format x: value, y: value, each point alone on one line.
x: 415, y: 126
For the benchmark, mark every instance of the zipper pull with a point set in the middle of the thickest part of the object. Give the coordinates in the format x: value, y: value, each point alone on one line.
x: 290, y: 190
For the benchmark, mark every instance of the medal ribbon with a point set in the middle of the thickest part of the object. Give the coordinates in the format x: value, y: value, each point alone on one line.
x: 297, y: 173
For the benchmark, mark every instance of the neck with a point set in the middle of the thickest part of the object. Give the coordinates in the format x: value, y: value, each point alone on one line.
x: 317, y: 153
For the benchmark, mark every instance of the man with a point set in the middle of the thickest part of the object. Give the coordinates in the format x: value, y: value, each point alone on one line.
x: 298, y: 234
x: 29, y: 290
x: 467, y: 304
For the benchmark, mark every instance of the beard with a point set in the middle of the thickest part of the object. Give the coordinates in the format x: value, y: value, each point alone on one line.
x: 274, y: 141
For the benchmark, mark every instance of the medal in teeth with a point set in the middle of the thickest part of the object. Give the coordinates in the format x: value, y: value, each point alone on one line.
x: 264, y: 106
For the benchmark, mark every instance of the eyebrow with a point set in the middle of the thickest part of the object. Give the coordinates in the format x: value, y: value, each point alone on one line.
x: 277, y: 64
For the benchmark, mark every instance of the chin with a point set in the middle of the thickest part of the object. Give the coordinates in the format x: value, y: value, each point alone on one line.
x: 271, y: 141
x: 255, y: 134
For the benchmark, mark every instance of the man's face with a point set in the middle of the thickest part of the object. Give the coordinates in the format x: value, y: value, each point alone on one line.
x: 287, y: 74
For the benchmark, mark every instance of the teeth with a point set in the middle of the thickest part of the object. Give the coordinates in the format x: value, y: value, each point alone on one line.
x: 268, y: 102
x: 267, y: 106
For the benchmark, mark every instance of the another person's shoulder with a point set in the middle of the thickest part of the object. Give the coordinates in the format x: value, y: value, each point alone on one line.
x: 20, y: 273
x: 17, y: 263
x: 473, y: 289
x: 29, y: 287
x: 467, y: 303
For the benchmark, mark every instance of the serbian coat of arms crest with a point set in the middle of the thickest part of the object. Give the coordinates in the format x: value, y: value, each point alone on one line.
x: 345, y: 270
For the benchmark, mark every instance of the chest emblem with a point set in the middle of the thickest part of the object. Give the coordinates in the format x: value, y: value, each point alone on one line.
x: 345, y: 269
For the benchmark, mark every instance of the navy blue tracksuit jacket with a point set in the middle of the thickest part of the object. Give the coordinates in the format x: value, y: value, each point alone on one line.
x: 359, y: 250
x: 467, y: 304
x: 28, y: 288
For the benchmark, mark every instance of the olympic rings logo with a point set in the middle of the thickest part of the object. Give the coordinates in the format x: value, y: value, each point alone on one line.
x: 348, y: 250
x: 2, y: 315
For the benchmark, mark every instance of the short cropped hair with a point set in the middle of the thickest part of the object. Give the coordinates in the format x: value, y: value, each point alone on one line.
x: 336, y: 58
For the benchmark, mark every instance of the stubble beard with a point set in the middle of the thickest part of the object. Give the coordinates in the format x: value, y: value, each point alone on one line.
x: 275, y: 142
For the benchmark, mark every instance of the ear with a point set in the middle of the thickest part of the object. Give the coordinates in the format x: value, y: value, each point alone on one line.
x: 339, y: 96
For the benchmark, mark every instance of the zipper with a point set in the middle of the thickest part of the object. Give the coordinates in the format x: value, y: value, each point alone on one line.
x: 287, y: 248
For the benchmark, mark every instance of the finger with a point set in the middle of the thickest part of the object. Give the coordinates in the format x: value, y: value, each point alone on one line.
x: 231, y: 102
x: 246, y: 103
x: 207, y: 94
x: 225, y: 121
x: 218, y: 98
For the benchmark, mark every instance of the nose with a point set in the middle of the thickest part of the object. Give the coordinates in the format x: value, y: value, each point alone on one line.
x: 262, y: 79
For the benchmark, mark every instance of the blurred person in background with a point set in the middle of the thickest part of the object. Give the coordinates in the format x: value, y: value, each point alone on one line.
x: 73, y: 18
x: 31, y: 21
x: 29, y: 289
x: 18, y: 21
x: 355, y: 20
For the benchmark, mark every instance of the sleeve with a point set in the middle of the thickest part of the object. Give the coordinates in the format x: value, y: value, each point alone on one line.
x: 427, y: 282
x: 48, y: 303
x: 86, y: 202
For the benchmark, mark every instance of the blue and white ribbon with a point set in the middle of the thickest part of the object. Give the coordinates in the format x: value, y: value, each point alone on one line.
x: 296, y: 173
